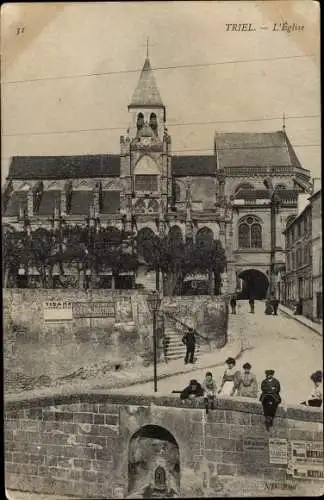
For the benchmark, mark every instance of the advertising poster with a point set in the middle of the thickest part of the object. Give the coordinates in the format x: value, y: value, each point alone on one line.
x: 306, y: 460
x: 278, y: 451
x: 57, y: 310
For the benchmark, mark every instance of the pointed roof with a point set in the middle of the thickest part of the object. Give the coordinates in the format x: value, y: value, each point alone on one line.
x: 146, y: 92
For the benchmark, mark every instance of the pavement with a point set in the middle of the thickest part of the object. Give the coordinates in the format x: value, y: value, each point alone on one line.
x: 317, y: 327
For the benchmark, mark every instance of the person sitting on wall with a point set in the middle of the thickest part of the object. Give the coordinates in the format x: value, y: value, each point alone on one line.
x: 230, y: 378
x: 247, y: 385
x: 209, y: 387
x: 270, y: 397
x: 316, y: 395
x: 193, y: 390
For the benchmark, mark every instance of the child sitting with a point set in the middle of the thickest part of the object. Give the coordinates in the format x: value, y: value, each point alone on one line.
x: 209, y: 387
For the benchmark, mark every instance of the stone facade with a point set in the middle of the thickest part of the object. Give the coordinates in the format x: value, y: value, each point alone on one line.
x: 92, y: 445
x: 317, y: 255
x: 146, y: 186
x: 298, y: 285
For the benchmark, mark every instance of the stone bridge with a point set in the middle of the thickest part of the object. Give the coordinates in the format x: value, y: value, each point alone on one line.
x: 96, y: 445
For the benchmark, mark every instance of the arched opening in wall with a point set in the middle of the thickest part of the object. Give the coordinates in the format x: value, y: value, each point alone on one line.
x: 153, y: 463
x: 140, y: 121
x: 153, y: 122
x: 254, y: 284
x: 37, y: 196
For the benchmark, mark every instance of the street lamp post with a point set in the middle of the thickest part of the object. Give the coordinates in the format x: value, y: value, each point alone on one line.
x: 154, y: 302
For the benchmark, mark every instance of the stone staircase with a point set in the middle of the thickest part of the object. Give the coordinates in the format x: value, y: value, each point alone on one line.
x: 174, y: 348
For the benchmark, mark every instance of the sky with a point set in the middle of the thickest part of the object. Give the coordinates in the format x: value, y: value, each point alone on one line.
x: 41, y: 42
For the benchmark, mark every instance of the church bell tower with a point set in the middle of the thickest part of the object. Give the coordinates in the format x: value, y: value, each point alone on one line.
x: 145, y: 156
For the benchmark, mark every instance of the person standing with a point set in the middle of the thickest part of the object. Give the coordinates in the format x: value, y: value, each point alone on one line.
x: 251, y: 302
x: 233, y: 303
x: 189, y: 340
x: 209, y: 387
x: 274, y: 303
x: 270, y: 397
x: 268, y: 307
x: 247, y: 385
x: 230, y: 378
x: 316, y: 396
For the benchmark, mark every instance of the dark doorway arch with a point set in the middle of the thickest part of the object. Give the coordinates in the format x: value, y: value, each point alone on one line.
x: 255, y: 284
x: 153, y: 463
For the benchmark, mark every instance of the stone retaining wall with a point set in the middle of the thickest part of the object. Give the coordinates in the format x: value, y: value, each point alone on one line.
x: 79, y: 444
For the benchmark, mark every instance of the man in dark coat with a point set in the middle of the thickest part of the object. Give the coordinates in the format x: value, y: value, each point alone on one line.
x: 233, y: 303
x: 251, y: 302
x: 274, y: 303
x: 194, y: 389
x: 189, y: 340
x: 270, y: 397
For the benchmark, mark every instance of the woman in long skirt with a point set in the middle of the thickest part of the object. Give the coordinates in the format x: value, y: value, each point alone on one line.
x: 247, y: 386
x: 230, y: 379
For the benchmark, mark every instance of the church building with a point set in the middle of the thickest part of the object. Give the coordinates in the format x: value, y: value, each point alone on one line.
x: 147, y: 189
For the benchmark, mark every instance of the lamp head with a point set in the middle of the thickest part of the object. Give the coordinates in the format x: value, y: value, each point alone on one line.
x: 154, y: 301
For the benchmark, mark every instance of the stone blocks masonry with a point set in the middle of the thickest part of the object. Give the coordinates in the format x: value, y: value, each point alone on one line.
x: 79, y: 444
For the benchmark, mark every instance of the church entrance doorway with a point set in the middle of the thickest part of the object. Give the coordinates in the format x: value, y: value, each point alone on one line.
x: 255, y: 284
x: 153, y: 464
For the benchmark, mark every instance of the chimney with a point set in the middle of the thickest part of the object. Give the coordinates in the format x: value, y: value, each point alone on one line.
x: 302, y: 202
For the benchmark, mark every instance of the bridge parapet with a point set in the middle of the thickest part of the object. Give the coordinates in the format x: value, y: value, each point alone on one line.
x: 88, y: 444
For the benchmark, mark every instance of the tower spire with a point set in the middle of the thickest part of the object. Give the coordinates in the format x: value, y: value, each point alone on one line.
x: 147, y: 47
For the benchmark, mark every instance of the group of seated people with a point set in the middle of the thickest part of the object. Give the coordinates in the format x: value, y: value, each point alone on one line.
x: 244, y: 384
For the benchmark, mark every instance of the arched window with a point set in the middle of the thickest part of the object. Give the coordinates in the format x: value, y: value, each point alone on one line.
x: 176, y: 192
x: 153, y: 122
x: 140, y: 120
x: 146, y: 175
x: 38, y: 191
x: 245, y: 185
x: 256, y: 236
x: 250, y: 232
